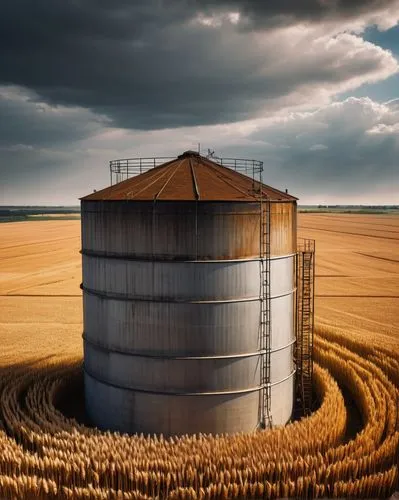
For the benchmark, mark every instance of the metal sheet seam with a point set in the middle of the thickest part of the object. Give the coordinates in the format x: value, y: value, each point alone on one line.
x: 284, y: 346
x: 197, y: 192
x: 162, y: 202
x: 123, y: 297
x: 129, y: 298
x: 134, y: 354
x: 120, y: 256
x: 169, y: 179
x: 284, y: 379
x: 290, y: 292
x: 280, y: 257
x: 164, y: 393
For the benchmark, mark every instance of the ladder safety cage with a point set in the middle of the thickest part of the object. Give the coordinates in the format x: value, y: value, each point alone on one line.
x: 265, y: 310
x: 305, y: 277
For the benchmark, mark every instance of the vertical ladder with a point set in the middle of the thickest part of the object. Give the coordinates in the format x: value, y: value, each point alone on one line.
x: 305, y: 326
x: 265, y: 313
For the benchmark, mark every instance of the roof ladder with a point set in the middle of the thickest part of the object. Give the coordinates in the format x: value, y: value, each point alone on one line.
x: 305, y: 326
x: 265, y: 313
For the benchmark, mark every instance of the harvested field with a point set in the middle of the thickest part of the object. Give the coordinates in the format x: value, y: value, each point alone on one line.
x: 357, y: 284
x: 40, y: 299
x: 44, y: 454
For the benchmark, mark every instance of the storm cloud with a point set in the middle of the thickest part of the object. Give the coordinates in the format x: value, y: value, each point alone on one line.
x: 27, y: 122
x: 341, y: 151
x: 277, y: 12
x: 83, y: 82
x: 152, y: 65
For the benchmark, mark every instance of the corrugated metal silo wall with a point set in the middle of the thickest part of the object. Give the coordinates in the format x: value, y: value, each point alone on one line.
x: 171, y: 315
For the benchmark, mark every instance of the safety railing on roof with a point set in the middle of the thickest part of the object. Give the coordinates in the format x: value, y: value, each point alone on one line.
x: 125, y: 168
x: 248, y: 167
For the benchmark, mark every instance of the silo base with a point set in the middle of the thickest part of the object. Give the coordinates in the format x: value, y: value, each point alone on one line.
x: 128, y: 411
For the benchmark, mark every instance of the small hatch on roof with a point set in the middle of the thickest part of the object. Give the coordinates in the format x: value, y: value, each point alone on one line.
x: 189, y: 153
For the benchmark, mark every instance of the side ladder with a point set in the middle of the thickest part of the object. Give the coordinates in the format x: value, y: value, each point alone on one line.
x: 265, y: 313
x: 305, y: 326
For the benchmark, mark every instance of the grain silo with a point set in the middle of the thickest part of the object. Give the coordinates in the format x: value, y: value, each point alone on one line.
x: 189, y: 299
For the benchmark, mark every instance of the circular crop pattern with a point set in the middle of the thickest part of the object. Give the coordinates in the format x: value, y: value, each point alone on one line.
x: 45, y: 454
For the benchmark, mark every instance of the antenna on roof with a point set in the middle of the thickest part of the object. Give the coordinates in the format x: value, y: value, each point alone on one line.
x: 210, y: 154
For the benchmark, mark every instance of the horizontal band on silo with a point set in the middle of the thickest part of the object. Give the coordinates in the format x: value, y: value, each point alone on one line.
x: 123, y: 297
x: 186, y: 281
x: 125, y: 256
x: 198, y: 394
x: 159, y: 356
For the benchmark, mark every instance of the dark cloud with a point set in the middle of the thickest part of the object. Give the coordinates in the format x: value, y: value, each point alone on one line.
x: 156, y: 64
x: 283, y: 12
x: 39, y: 142
x: 345, y: 152
x: 73, y: 73
x: 25, y: 122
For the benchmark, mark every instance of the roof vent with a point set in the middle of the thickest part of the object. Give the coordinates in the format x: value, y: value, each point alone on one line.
x: 188, y: 153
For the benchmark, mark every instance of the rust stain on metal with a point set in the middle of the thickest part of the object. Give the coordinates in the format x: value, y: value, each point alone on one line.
x: 188, y: 231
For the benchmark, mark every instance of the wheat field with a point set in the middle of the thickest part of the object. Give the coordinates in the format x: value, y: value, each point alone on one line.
x: 46, y: 453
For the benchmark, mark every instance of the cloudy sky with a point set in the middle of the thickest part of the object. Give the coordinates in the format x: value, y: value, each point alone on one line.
x: 311, y: 87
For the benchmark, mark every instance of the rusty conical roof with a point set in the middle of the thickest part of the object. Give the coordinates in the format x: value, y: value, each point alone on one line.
x: 189, y: 177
